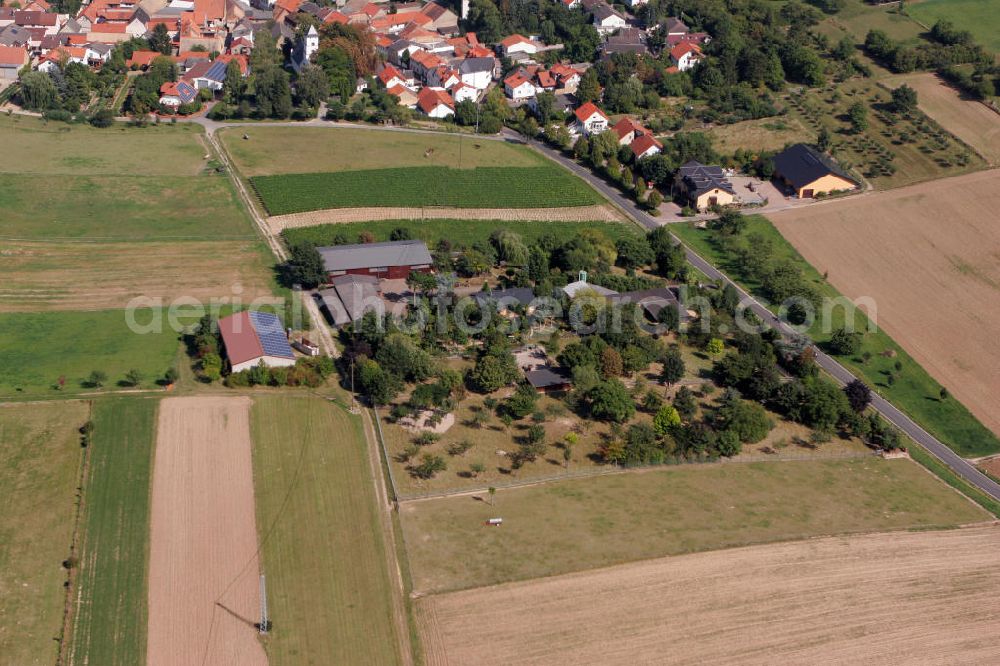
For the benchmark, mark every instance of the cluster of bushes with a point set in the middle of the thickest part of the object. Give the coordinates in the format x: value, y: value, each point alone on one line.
x: 61, y: 93
x: 948, y: 48
x: 309, y: 371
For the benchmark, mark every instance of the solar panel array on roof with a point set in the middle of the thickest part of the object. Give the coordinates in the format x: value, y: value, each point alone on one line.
x: 217, y: 72
x: 271, y: 334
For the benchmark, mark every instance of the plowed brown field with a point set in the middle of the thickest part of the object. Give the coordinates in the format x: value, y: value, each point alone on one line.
x: 929, y: 255
x: 203, y: 568
x: 913, y: 598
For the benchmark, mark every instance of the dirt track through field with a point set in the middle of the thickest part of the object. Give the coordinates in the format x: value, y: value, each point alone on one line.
x: 203, y: 570
x: 914, y: 598
x: 929, y: 255
x: 600, y: 213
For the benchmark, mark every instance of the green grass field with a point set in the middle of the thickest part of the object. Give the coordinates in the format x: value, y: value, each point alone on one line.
x: 40, y: 454
x: 323, y: 553
x: 121, y: 208
x: 458, y: 232
x: 858, y: 17
x: 486, y: 187
x: 38, y: 348
x: 980, y: 17
x: 110, y: 625
x: 35, y: 146
x: 276, y: 150
x: 581, y: 524
x: 915, y: 391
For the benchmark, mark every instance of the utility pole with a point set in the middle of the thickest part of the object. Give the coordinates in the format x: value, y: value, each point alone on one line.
x: 265, y: 623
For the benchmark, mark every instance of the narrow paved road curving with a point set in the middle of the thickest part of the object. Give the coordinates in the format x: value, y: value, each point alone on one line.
x: 840, y: 373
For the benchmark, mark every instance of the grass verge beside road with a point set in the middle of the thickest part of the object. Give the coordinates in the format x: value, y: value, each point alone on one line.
x: 587, y: 523
x: 40, y: 450
x: 329, y: 591
x: 913, y: 390
x: 546, y: 186
x: 110, y: 621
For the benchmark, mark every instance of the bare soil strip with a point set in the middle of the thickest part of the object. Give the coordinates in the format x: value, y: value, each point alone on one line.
x: 914, y: 598
x: 602, y: 212
x: 203, y: 572
x: 929, y: 255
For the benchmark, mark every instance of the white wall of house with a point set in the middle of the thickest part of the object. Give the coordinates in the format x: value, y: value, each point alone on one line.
x: 478, y: 80
x: 269, y: 361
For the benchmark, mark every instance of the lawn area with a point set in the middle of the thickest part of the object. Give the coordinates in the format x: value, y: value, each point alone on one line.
x: 35, y: 146
x: 457, y: 232
x: 39, y: 473
x: 980, y: 17
x: 38, y: 348
x: 586, y: 523
x: 110, y: 621
x: 914, y: 391
x: 915, y: 147
x: 122, y: 208
x: 277, y: 150
x: 546, y: 186
x: 329, y: 592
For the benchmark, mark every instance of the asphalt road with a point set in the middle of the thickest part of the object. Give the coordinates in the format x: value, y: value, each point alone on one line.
x: 892, y: 414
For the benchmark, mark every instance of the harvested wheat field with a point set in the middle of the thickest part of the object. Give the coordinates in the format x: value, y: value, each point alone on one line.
x: 203, y: 568
x: 969, y: 120
x: 915, y: 598
x: 95, y: 276
x: 601, y: 212
x: 929, y: 255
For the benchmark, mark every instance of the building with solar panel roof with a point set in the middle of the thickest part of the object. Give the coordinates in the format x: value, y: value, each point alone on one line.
x: 250, y: 337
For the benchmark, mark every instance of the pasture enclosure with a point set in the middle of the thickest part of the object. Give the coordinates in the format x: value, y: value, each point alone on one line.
x: 329, y: 586
x: 928, y: 256
x: 109, y: 602
x: 276, y: 150
x: 203, y: 563
x: 911, y: 388
x: 920, y: 597
x: 545, y: 186
x: 41, y: 454
x: 580, y: 524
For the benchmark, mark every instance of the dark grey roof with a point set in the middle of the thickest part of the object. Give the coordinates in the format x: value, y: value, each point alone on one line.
x: 674, y: 24
x: 470, y: 65
x: 12, y: 35
x: 350, y: 297
x: 547, y: 377
x: 801, y: 164
x: 651, y: 300
x: 604, y: 11
x: 520, y: 295
x: 699, y: 178
x: 372, y: 255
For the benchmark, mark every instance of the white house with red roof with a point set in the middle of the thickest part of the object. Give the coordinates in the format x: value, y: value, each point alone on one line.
x: 390, y: 77
x: 645, y: 145
x: 435, y: 103
x: 518, y: 44
x: 686, y: 55
x: 461, y: 92
x: 590, y: 120
x: 518, y: 86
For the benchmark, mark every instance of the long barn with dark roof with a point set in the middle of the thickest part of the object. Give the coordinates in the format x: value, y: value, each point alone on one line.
x: 391, y: 260
x: 809, y: 172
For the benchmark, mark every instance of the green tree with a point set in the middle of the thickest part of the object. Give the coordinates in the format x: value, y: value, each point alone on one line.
x: 234, y: 86
x: 272, y: 92
x: 673, y: 367
x: 858, y: 395
x: 611, y: 363
x: 634, y: 252
x: 476, y: 469
x: 858, y: 115
x: 38, y: 92
x: 159, y: 40
x: 610, y: 401
x: 429, y: 466
x: 824, y: 140
x: 305, y: 266
x: 685, y: 404
x: 715, y: 346
x: 312, y: 86
x: 904, y: 99
x: 380, y: 387
x: 133, y: 377
x: 97, y: 378
x: 844, y: 343
x: 492, y: 372
x: 666, y: 420
x: 589, y: 89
